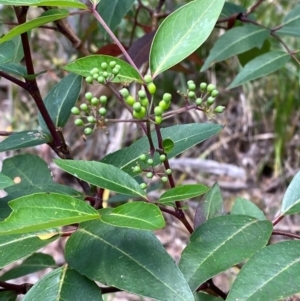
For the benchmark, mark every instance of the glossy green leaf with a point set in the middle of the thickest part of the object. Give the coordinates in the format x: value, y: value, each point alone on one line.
x: 291, y: 23
x: 127, y: 259
x: 210, y: 206
x: 220, y: 243
x: 60, y: 99
x: 23, y: 245
x: 271, y: 274
x: 113, y: 11
x: 245, y: 207
x: 45, y: 210
x: 7, y: 52
x: 64, y: 284
x: 84, y: 65
x: 168, y: 145
x: 8, y: 296
x: 230, y: 9
x: 19, y: 53
x: 183, y: 192
x: 136, y: 215
x: 13, y: 68
x: 24, y: 139
x: 261, y: 66
x: 205, y: 297
x: 64, y: 3
x: 291, y: 200
x: 102, y: 175
x: 182, y: 32
x: 31, y: 25
x: 34, y: 263
x: 184, y: 137
x: 5, y: 181
x: 234, y: 41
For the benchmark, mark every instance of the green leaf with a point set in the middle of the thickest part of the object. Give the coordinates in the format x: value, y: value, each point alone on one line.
x: 182, y: 32
x: 45, y: 210
x: 291, y: 23
x: 60, y: 99
x: 136, y: 215
x: 65, y: 3
x: 271, y: 274
x: 291, y: 200
x: 102, y: 175
x: 34, y: 263
x: 84, y: 65
x: 112, y: 12
x: 24, y: 139
x: 230, y: 9
x: 19, y: 53
x: 23, y: 245
x: 127, y: 259
x: 5, y: 181
x: 8, y: 296
x: 220, y: 243
x: 64, y: 284
x: 16, y: 31
x: 168, y: 145
x: 261, y: 66
x: 210, y: 206
x: 245, y: 207
x: 184, y: 137
x: 13, y: 68
x: 183, y: 192
x: 205, y: 297
x: 234, y: 41
x: 7, y: 51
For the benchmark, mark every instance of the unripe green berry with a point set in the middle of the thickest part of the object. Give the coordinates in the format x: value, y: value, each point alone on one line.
x: 124, y: 92
x: 149, y: 175
x: 203, y: 86
x: 103, y: 99
x: 88, y: 131
x: 143, y: 185
x: 88, y: 95
x: 112, y: 64
x: 94, y: 71
x: 143, y: 157
x: 164, y: 179
x: 91, y: 119
x: 104, y: 66
x: 89, y: 79
x: 137, y: 107
x: 169, y: 171
x: 144, y: 102
x: 198, y: 101
x: 210, y: 88
x: 150, y: 161
x: 130, y: 100
x: 148, y: 78
x: 167, y: 97
x: 210, y: 100
x: 102, y: 111
x: 137, y: 169
x: 162, y: 158
x: 141, y: 114
x: 84, y: 107
x: 191, y: 94
x: 95, y: 76
x: 75, y: 111
x: 164, y: 105
x: 142, y: 94
x: 152, y: 88
x: 158, y: 119
x: 78, y: 122
x: 219, y: 109
x: 214, y: 93
x: 192, y: 87
x: 189, y: 82
x: 118, y: 67
x: 105, y: 74
x: 100, y: 79
x: 95, y: 101
x: 115, y: 71
x: 158, y: 111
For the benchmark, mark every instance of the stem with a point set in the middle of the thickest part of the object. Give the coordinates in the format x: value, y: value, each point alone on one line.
x: 254, y: 7
x: 19, y: 289
x: 287, y: 234
x: 277, y: 220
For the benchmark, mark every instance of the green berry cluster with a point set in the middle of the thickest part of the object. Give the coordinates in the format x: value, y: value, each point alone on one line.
x: 149, y: 171
x: 206, y: 100
x: 106, y: 73
x: 91, y: 113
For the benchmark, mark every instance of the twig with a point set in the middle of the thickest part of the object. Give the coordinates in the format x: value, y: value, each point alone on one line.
x: 19, y: 289
x: 287, y: 234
